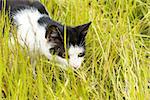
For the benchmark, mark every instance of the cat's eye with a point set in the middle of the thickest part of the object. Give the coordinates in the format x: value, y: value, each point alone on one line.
x: 64, y: 55
x: 52, y: 50
x: 81, y: 54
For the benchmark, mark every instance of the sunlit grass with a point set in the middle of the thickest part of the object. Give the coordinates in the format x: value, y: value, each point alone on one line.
x: 117, y: 62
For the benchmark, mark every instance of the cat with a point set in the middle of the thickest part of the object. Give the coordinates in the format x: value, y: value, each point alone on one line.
x: 39, y: 32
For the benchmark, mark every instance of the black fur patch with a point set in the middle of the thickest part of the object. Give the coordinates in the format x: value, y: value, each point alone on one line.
x: 40, y: 7
x: 15, y: 5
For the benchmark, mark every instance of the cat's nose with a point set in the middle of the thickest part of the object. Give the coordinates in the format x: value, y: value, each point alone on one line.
x: 75, y: 66
x: 75, y: 63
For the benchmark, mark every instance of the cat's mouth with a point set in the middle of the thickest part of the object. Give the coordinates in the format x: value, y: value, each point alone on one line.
x: 68, y: 63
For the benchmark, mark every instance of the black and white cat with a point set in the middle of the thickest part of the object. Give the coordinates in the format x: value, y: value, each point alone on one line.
x: 39, y: 32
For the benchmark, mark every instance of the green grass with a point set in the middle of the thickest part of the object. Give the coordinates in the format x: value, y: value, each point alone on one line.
x: 117, y: 64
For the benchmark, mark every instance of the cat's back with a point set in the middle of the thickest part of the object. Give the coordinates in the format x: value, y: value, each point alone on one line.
x: 15, y: 5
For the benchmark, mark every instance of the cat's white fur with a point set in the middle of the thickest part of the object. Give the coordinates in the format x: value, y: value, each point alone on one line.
x: 74, y: 60
x: 32, y: 35
x: 29, y: 32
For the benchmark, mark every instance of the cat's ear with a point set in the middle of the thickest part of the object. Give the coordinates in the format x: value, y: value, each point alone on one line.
x: 83, y: 29
x: 52, y: 31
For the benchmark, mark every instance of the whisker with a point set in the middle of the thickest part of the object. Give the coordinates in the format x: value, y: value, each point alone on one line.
x: 82, y: 42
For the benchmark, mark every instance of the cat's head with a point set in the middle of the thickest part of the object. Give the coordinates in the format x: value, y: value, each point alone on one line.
x: 75, y: 43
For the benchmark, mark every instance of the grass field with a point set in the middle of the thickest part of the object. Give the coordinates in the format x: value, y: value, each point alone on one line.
x: 117, y: 63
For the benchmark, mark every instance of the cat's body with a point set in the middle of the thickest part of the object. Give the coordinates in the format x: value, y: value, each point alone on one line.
x: 39, y: 32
